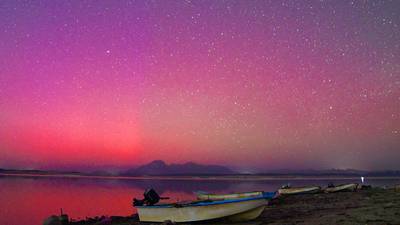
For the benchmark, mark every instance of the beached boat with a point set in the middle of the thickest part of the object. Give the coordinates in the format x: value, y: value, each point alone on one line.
x: 240, y: 209
x: 298, y: 190
x: 342, y: 187
x: 209, y: 196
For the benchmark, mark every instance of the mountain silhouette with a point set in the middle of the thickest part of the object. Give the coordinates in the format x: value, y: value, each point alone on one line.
x: 159, y: 167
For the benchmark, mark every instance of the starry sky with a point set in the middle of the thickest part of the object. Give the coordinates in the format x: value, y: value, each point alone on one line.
x: 248, y: 84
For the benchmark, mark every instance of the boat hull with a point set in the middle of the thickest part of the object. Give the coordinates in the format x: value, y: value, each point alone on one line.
x: 234, y: 211
x: 343, y: 187
x: 299, y: 190
x: 248, y: 215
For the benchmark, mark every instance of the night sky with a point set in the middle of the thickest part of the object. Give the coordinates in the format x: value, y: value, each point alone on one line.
x: 247, y: 84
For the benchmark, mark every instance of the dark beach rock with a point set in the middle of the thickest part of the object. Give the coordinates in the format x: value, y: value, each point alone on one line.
x: 52, y: 220
x: 64, y: 219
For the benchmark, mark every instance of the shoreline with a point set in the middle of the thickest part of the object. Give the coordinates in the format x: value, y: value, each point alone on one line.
x: 202, y: 178
x: 376, y: 206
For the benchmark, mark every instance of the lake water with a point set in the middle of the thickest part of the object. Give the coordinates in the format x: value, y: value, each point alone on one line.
x: 28, y: 200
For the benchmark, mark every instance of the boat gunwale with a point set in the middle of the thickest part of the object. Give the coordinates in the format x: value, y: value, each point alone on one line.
x: 303, y: 187
x: 341, y: 186
x: 232, y: 193
x: 266, y: 195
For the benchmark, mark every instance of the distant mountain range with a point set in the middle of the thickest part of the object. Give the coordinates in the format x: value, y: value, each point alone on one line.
x: 159, y: 167
x: 37, y: 172
x: 332, y: 172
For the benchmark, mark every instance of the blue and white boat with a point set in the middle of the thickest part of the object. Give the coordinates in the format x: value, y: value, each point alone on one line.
x: 240, y: 209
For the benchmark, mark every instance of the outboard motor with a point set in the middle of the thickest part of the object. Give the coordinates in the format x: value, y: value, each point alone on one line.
x: 151, y: 197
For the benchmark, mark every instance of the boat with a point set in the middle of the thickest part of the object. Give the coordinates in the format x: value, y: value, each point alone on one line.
x: 209, y: 196
x: 298, y: 190
x: 240, y: 209
x: 342, y: 187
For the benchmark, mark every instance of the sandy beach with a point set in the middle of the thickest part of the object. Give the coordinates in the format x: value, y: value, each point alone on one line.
x: 373, y: 206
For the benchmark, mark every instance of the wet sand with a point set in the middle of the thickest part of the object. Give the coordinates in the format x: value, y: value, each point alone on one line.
x: 373, y: 206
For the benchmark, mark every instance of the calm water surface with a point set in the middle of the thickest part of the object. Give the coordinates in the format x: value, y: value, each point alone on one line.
x: 28, y: 200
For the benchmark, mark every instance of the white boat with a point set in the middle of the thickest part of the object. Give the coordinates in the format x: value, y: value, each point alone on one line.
x: 241, y: 209
x: 209, y: 196
x: 342, y: 187
x: 298, y: 190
